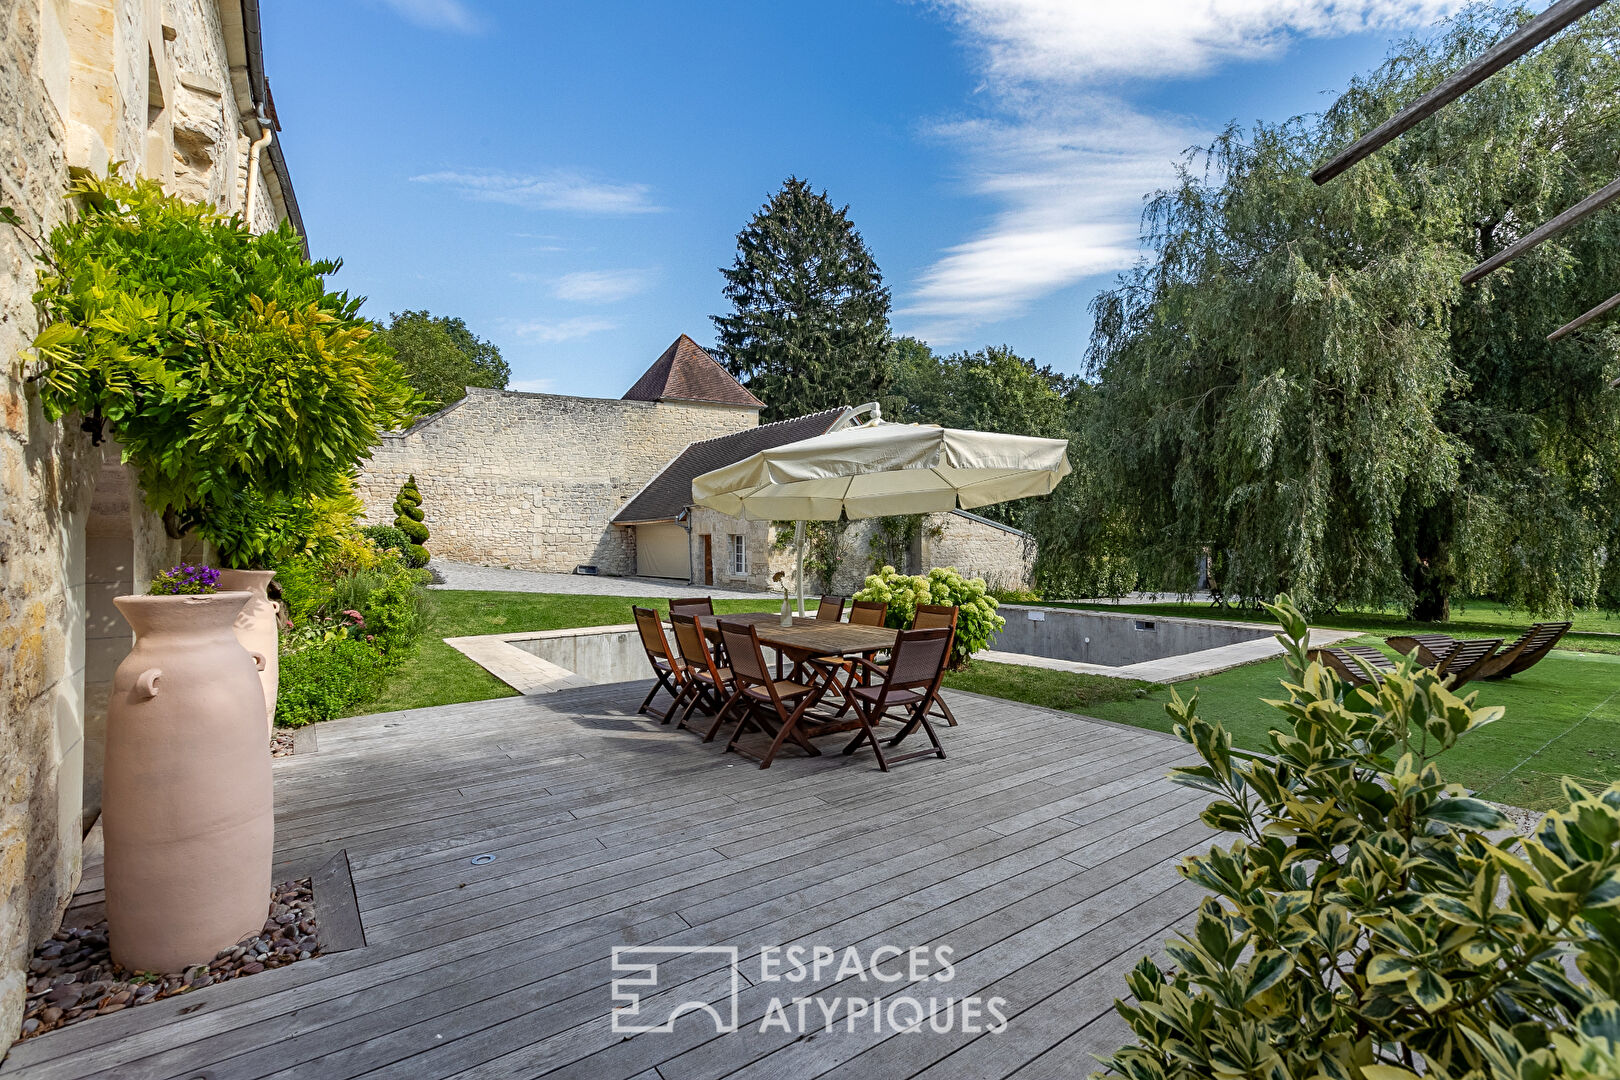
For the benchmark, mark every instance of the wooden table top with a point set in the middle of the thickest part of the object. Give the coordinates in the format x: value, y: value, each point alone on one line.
x: 815, y: 637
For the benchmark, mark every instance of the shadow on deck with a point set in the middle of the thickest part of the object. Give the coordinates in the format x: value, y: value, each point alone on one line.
x: 1041, y: 852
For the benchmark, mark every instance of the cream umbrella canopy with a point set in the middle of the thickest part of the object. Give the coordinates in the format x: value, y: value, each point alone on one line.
x: 880, y: 469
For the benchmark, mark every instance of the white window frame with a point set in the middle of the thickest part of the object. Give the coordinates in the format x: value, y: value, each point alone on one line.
x: 739, y: 554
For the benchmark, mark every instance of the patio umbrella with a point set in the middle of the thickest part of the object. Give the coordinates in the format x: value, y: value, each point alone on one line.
x: 879, y: 469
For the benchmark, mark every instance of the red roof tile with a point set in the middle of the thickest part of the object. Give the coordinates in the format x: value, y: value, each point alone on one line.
x: 686, y: 373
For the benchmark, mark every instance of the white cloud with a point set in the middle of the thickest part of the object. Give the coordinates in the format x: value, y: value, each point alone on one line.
x: 601, y: 286
x: 553, y: 190
x: 1097, y: 40
x: 438, y: 14
x: 551, y: 333
x: 1070, y: 185
x: 532, y: 386
x: 1064, y: 156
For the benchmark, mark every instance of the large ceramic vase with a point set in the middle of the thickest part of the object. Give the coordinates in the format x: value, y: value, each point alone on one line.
x: 256, y: 629
x: 187, y: 812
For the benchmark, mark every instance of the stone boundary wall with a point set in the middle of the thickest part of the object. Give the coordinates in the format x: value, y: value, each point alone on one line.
x: 1005, y: 558
x: 531, y: 481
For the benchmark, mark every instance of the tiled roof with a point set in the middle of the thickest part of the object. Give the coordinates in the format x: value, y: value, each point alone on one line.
x: 686, y: 373
x: 670, y: 492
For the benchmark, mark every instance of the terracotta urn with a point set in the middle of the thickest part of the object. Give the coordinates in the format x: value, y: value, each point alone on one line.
x: 256, y: 629
x: 187, y: 811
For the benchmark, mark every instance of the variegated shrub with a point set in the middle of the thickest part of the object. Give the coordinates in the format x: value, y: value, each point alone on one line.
x: 1372, y: 921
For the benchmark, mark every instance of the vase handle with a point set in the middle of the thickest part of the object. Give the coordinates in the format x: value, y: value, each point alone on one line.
x: 146, y: 684
x: 258, y: 660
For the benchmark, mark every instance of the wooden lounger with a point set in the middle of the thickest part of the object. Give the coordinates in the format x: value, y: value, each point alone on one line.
x: 1432, y: 649
x: 1342, y: 660
x: 1526, y: 652
x: 1458, y: 660
x: 1467, y: 660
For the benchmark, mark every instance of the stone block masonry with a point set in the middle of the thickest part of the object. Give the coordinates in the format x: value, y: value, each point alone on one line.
x: 149, y: 83
x: 531, y: 481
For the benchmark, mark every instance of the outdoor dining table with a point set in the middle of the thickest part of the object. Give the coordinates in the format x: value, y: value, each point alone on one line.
x: 815, y: 639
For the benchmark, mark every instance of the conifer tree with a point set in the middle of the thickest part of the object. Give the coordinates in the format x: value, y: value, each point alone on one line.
x: 408, y: 520
x: 809, y: 327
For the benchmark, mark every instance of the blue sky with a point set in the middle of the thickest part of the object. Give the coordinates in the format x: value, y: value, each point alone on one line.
x: 568, y: 177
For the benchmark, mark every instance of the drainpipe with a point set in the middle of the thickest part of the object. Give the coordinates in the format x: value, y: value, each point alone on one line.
x: 253, y: 166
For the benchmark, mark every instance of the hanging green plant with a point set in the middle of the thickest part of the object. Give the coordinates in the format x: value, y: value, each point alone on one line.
x: 217, y: 358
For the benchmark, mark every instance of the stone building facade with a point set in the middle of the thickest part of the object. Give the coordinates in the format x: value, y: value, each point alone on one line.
x: 532, y: 481
x: 546, y: 482
x: 174, y: 89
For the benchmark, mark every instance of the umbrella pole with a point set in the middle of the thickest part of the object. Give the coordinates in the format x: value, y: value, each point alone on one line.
x: 798, y: 541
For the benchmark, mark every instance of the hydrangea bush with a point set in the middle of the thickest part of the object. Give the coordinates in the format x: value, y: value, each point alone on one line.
x: 1368, y: 920
x: 185, y: 580
x: 976, y: 619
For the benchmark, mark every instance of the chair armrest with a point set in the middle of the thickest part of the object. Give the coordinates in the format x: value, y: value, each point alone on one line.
x: 864, y: 662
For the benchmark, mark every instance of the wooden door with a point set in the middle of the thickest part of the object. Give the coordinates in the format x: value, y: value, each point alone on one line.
x: 708, y: 559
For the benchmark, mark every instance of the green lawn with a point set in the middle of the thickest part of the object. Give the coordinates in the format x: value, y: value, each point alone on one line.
x: 439, y: 675
x: 1594, y: 631
x: 1563, y: 716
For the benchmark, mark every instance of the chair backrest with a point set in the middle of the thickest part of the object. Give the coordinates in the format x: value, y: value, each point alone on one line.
x: 692, y: 605
x: 831, y: 608
x: 934, y: 616
x: 742, y: 648
x: 689, y: 639
x: 868, y: 613
x: 652, y: 632
x: 919, y: 657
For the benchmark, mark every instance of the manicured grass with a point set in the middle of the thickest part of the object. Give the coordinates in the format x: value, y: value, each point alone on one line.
x: 439, y: 675
x: 1563, y: 718
x: 1594, y: 631
x: 1066, y: 690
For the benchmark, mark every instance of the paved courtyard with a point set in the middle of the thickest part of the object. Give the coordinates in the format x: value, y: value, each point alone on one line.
x: 495, y: 579
x: 501, y: 850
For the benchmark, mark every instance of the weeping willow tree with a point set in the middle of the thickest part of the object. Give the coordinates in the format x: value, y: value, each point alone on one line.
x: 1295, y: 389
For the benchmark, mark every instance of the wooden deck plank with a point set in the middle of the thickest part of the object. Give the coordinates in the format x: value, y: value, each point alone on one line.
x: 1041, y: 848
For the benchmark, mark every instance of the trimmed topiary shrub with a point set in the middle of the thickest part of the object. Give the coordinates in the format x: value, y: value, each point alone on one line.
x: 1370, y: 921
x: 408, y: 520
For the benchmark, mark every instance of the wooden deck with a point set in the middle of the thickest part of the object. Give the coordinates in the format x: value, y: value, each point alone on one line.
x: 1042, y: 852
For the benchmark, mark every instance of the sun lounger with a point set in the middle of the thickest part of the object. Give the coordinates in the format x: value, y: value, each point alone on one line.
x: 1343, y: 661
x: 1526, y: 652
x: 1458, y: 660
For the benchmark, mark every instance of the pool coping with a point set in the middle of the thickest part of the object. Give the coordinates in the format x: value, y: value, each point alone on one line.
x: 1175, y: 668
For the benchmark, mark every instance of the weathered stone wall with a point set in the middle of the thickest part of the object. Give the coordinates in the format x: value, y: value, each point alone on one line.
x: 82, y: 82
x: 1005, y: 558
x: 532, y: 480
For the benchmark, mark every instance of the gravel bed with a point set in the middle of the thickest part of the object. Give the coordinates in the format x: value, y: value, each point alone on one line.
x: 72, y: 976
x: 281, y: 743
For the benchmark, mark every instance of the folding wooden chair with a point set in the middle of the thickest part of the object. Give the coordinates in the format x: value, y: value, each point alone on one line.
x: 669, y: 670
x: 868, y: 613
x: 1342, y: 660
x: 773, y: 706
x: 910, y: 683
x: 931, y: 617
x: 692, y: 605
x: 708, y: 684
x: 830, y: 609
